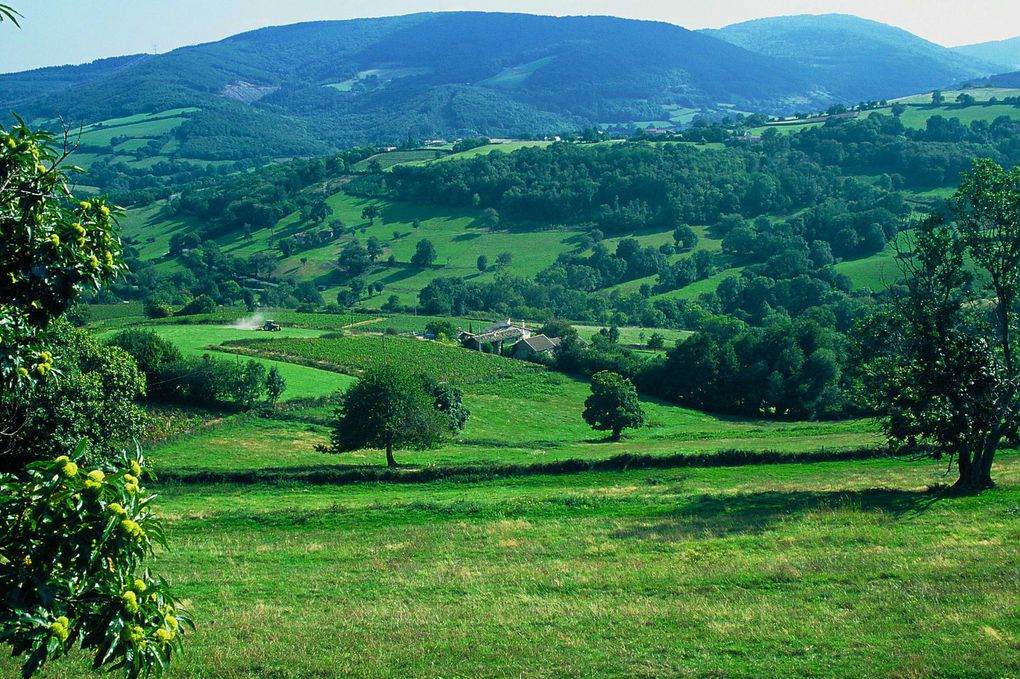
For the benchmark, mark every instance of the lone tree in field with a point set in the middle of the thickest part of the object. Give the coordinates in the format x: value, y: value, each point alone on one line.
x: 424, y: 254
x: 945, y: 374
x: 392, y: 409
x: 371, y: 213
x: 613, y: 404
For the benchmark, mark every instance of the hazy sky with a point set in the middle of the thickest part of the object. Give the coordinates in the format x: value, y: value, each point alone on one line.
x: 75, y: 31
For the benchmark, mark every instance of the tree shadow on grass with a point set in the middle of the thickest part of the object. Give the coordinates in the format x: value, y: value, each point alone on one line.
x: 399, y: 275
x: 756, y: 513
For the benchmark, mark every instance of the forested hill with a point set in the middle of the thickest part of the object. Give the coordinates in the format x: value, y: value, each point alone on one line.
x: 856, y: 59
x: 1005, y: 52
x: 449, y: 74
x: 309, y: 88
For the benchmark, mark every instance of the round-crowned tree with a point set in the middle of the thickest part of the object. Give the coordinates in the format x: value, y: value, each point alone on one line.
x: 613, y: 405
x: 391, y: 408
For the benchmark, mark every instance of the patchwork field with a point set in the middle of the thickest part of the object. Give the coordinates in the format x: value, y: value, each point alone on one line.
x: 460, y: 236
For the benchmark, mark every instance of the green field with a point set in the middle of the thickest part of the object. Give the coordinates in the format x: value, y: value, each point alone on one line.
x: 979, y: 93
x: 919, y: 109
x: 391, y: 158
x: 512, y: 421
x: 834, y: 568
x: 632, y: 336
x: 302, y: 382
x: 460, y: 236
x: 528, y: 546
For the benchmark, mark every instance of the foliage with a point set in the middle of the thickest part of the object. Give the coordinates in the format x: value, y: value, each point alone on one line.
x: 249, y: 383
x: 72, y: 553
x: 53, y: 249
x: 424, y: 254
x: 449, y: 400
x: 203, y: 304
x: 93, y: 398
x: 555, y: 327
x: 613, y: 404
x: 944, y: 374
x: 439, y: 328
x: 389, y: 408
x: 789, y: 369
x: 63, y: 574
x: 276, y: 384
x: 155, y: 356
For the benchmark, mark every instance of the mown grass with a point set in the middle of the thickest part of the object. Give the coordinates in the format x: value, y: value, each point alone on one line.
x: 842, y: 569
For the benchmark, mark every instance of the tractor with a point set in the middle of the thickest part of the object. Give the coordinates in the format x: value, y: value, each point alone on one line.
x: 270, y: 326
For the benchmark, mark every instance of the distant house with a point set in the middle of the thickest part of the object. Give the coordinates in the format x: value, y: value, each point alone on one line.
x: 535, y: 345
x: 497, y: 335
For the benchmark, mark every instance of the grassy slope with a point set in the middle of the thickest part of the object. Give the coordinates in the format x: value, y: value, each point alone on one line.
x: 839, y: 569
x: 919, y: 109
x: 523, y: 414
x: 458, y: 237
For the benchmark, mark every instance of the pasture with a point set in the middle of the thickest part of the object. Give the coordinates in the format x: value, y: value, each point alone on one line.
x: 302, y: 382
x: 808, y: 569
x: 528, y: 546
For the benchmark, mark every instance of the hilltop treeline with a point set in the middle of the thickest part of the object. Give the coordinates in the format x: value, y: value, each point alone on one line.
x: 621, y: 188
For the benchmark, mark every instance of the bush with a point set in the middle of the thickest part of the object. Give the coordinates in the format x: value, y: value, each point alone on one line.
x: 154, y: 309
x: 93, y: 398
x: 156, y: 357
x: 203, y: 304
x: 71, y: 567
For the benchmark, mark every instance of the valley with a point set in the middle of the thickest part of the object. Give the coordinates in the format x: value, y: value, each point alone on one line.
x: 494, y: 344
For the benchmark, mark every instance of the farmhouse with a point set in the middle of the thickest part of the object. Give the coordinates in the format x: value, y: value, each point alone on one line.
x: 533, y: 346
x: 496, y: 335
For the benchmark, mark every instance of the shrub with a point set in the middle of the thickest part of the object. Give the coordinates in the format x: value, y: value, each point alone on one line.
x: 154, y: 309
x: 203, y: 304
x: 93, y: 397
x: 156, y: 357
x: 71, y: 567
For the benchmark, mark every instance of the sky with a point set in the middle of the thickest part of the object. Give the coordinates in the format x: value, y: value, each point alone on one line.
x: 76, y: 31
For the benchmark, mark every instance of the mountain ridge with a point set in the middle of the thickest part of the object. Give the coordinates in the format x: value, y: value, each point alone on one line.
x: 314, y: 87
x: 856, y: 59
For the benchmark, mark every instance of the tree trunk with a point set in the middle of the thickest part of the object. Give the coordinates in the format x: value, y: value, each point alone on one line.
x: 616, y: 434
x: 390, y: 462
x: 976, y: 472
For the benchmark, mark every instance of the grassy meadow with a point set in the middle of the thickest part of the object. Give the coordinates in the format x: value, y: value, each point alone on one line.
x: 461, y: 235
x: 531, y: 546
x: 843, y: 569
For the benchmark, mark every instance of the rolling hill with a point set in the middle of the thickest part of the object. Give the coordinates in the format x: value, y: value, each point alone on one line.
x: 853, y: 59
x: 382, y: 80
x: 1005, y: 52
x: 306, y: 89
